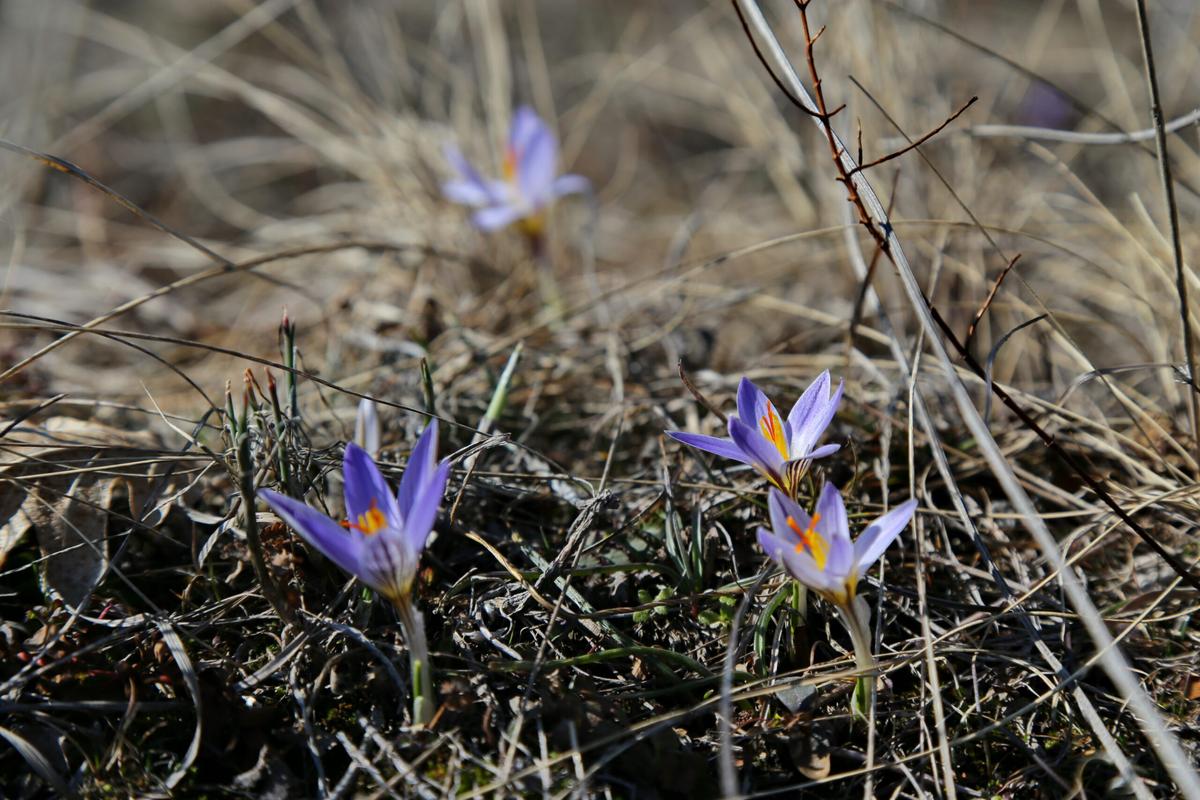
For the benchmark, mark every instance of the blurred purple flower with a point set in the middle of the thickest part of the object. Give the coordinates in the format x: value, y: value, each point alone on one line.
x: 817, y: 550
x: 386, y: 532
x: 530, y: 178
x: 759, y: 437
x: 1044, y: 107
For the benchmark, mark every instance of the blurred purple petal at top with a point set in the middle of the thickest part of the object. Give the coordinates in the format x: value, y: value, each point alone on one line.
x: 1045, y: 107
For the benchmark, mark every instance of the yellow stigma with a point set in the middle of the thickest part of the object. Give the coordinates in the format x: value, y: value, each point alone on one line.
x: 371, y: 521
x: 810, y: 540
x: 532, y: 226
x: 772, y: 428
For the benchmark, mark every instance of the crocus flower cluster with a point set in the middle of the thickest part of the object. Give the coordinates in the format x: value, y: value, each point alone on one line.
x: 758, y: 436
x: 384, y: 535
x: 529, y: 184
x: 815, y: 550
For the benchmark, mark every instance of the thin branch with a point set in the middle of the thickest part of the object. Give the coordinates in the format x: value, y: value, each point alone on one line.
x: 75, y: 171
x: 1160, y: 141
x: 767, y: 66
x: 915, y: 143
x: 865, y: 284
x: 700, y: 398
x: 987, y: 301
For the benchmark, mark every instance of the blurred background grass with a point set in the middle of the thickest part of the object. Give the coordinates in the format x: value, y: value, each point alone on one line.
x: 259, y: 127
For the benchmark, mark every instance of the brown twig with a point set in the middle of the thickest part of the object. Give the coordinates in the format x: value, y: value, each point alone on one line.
x: 987, y: 301
x: 913, y: 145
x: 775, y: 78
x: 700, y: 398
x: 860, y: 300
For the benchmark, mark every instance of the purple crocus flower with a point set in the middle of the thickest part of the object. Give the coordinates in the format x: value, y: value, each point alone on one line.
x: 817, y: 550
x: 386, y: 532
x: 759, y: 437
x: 530, y: 178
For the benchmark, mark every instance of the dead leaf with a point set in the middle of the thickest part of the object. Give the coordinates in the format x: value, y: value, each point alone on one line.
x: 72, y: 535
x: 61, y: 479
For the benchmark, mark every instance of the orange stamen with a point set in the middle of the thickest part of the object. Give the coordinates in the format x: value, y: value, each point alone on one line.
x: 772, y: 428
x: 810, y: 540
x: 371, y: 521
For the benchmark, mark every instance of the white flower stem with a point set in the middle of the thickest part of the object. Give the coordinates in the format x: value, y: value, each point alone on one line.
x: 418, y: 659
x: 864, y: 658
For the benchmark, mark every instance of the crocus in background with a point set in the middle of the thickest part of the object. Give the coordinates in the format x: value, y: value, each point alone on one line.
x: 529, y: 184
x: 758, y: 436
x: 382, y: 542
x: 818, y: 552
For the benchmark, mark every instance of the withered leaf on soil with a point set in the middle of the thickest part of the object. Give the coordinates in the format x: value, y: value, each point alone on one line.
x: 61, y: 479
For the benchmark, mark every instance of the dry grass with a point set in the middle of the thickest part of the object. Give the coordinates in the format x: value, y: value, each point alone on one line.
x: 585, y: 577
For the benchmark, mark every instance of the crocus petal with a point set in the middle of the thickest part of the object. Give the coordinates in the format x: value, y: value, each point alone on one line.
x: 839, y: 561
x: 748, y: 400
x: 423, y: 513
x: 812, y: 428
x: 807, y: 406
x: 459, y: 163
x: 467, y: 193
x: 387, y: 565
x: 758, y: 451
x: 536, y: 166
x: 833, y: 523
x: 780, y: 507
x: 831, y: 407
x: 496, y: 217
x: 571, y: 184
x: 824, y: 450
x: 339, y: 546
x: 756, y: 411
x: 800, y: 565
x: 710, y: 444
x: 366, y: 488
x: 420, y: 468
x: 881, y: 533
x: 525, y: 127
x: 772, y: 545
x: 367, y: 432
